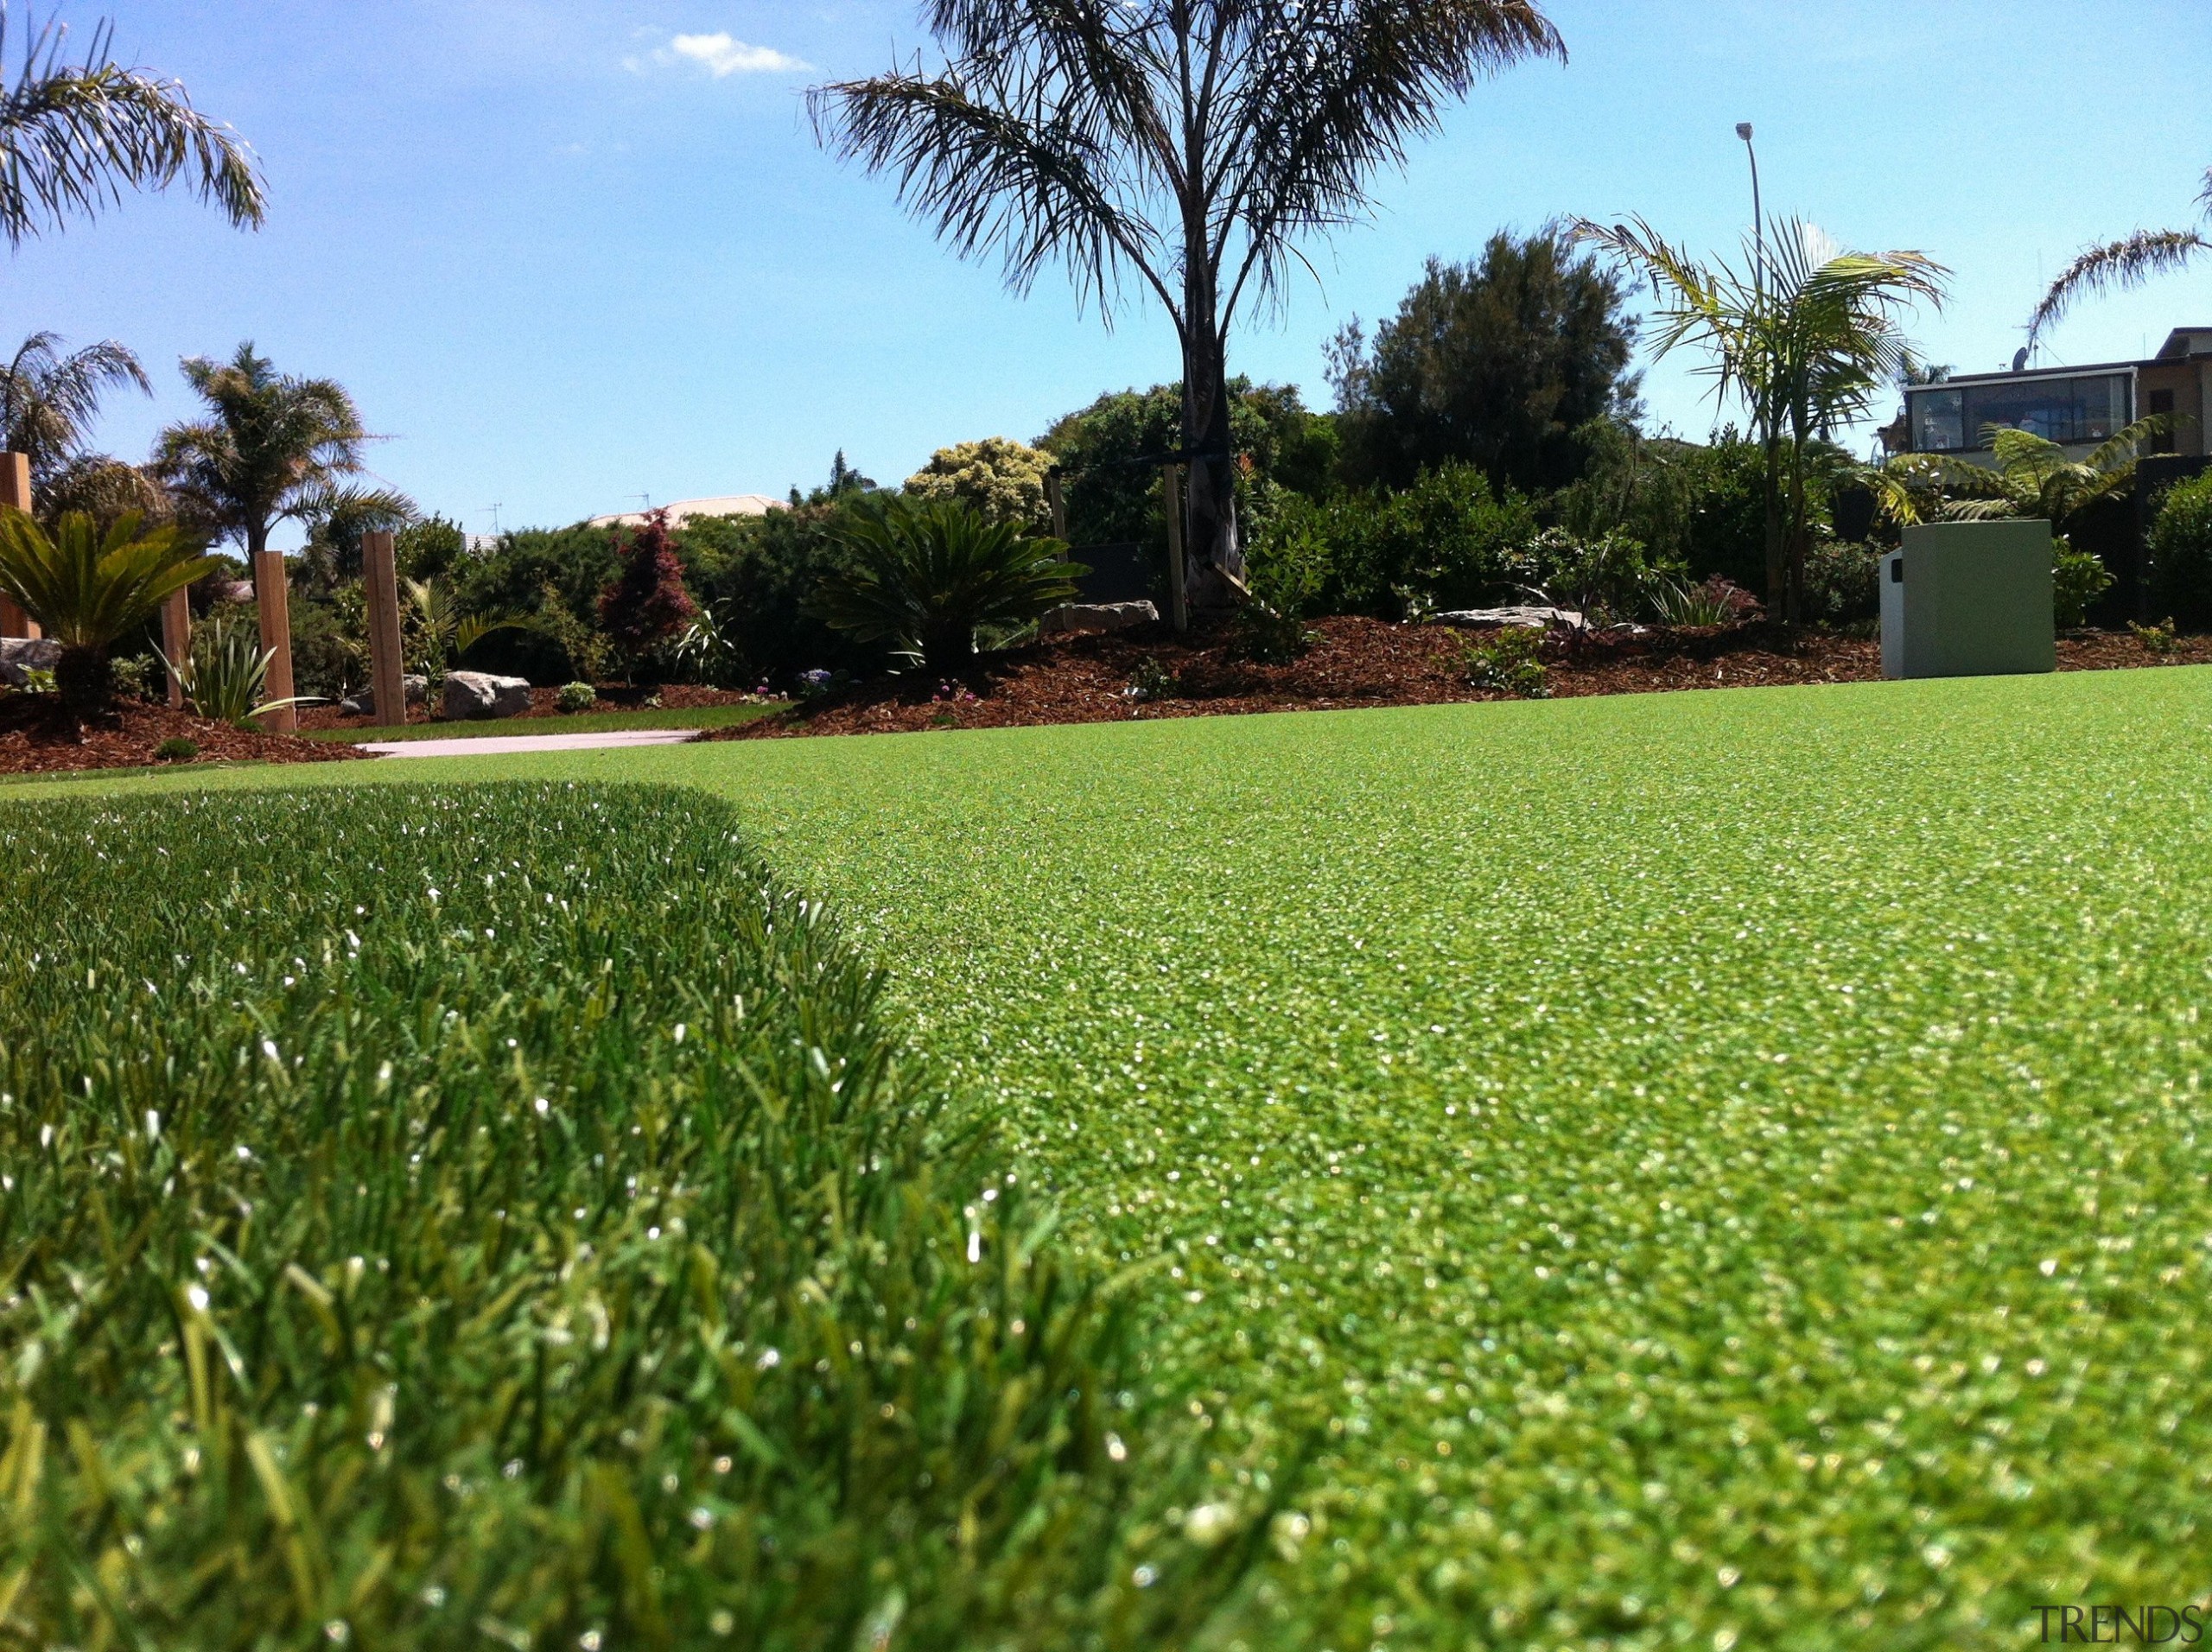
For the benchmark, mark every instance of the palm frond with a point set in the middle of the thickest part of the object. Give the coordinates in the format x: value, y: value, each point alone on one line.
x: 2117, y: 265
x: 73, y: 136
x: 48, y: 400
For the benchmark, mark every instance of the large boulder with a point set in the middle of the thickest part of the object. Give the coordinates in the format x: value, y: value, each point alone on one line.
x: 1534, y: 618
x: 363, y: 704
x: 1096, y: 616
x: 20, y: 655
x: 478, y: 695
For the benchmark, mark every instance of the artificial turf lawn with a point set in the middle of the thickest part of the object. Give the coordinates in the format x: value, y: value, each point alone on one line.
x: 1723, y: 1169
x: 570, y: 723
x: 509, y: 1215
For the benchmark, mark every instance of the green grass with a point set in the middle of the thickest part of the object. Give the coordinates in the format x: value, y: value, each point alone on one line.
x: 1716, y: 1169
x: 509, y: 1213
x: 578, y: 722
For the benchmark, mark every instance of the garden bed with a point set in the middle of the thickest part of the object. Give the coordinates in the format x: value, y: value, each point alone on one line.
x: 1355, y: 661
x: 35, y: 736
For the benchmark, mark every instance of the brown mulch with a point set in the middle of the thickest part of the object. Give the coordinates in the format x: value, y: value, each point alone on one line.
x: 37, y: 737
x: 613, y: 697
x: 1356, y: 662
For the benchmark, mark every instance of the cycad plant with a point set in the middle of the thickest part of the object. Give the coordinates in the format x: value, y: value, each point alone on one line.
x: 923, y: 577
x: 90, y: 588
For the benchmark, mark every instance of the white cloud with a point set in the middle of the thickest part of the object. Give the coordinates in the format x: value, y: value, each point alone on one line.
x: 720, y: 56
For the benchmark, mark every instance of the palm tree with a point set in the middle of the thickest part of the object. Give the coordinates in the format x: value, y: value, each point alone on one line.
x: 48, y: 400
x: 88, y: 587
x: 274, y: 448
x: 1807, y: 342
x: 2128, y: 261
x: 73, y: 134
x: 1185, y: 143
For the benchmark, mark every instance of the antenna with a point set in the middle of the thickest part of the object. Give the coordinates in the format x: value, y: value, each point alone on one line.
x: 494, y: 510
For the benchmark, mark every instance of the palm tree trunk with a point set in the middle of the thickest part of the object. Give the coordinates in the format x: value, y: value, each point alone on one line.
x: 1777, y: 575
x: 1210, y: 541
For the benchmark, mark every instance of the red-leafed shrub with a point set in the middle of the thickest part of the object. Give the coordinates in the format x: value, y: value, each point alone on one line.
x: 645, y: 603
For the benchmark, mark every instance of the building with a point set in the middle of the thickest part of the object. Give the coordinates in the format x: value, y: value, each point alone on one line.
x: 2076, y: 407
x: 681, y: 510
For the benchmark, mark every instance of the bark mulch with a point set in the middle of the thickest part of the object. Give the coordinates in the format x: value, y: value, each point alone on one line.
x: 1355, y: 661
x: 678, y: 696
x: 37, y: 737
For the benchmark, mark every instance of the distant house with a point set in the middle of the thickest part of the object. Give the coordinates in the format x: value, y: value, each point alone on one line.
x: 2076, y: 407
x: 726, y: 505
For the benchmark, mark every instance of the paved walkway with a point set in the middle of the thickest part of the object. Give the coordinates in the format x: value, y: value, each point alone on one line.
x: 500, y: 745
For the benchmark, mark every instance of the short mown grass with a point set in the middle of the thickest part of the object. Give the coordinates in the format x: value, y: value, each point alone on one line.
x: 508, y: 1215
x: 1725, y: 1170
x: 574, y: 722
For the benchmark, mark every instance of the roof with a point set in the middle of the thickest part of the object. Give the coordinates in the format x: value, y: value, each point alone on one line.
x: 722, y: 504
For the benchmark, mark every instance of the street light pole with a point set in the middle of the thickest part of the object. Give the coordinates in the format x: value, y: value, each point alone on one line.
x: 1758, y: 214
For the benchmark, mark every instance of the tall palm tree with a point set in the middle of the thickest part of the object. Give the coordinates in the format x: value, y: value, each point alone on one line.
x: 48, y: 400
x: 74, y: 134
x: 1184, y: 144
x: 1807, y: 342
x: 2128, y: 261
x: 274, y: 448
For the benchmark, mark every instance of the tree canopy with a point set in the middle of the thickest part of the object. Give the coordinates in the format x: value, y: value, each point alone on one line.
x: 1495, y: 362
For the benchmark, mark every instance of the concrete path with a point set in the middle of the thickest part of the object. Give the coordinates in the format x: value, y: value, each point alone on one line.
x: 502, y: 745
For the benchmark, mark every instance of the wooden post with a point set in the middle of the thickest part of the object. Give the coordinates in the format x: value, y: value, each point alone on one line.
x: 176, y: 640
x: 1171, y: 481
x: 1058, y: 502
x: 15, y: 490
x: 379, y: 581
x: 272, y: 601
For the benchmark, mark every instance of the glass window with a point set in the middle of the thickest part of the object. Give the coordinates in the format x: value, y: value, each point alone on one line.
x: 2058, y: 409
x: 1938, y: 421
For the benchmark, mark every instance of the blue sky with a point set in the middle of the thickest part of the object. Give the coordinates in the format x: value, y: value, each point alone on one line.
x: 571, y: 252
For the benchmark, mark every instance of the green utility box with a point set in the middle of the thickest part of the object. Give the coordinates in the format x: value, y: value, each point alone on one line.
x: 1969, y: 598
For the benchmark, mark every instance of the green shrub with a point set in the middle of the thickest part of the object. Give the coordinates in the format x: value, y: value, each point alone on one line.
x: 925, y: 576
x: 2180, y: 559
x: 1843, y: 583
x: 2155, y: 638
x: 998, y: 478
x: 138, y: 676
x: 1510, y: 663
x: 577, y: 697
x: 1449, y: 541
x: 1267, y: 636
x: 176, y: 749
x: 1610, y: 578
x: 2077, y: 579
x: 504, y: 1214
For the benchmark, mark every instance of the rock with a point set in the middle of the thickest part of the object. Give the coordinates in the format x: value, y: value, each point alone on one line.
x: 1096, y: 616
x: 1536, y: 619
x: 22, y: 654
x: 363, y: 704
x: 478, y: 695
